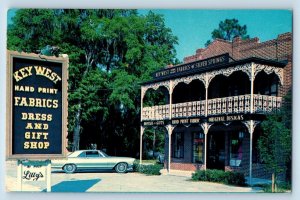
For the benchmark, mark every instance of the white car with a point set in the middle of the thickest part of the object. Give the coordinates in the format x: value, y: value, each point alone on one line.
x: 93, y: 160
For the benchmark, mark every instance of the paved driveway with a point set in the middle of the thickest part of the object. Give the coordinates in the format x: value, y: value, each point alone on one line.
x: 129, y: 182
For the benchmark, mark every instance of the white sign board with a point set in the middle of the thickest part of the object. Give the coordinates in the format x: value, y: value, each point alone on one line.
x: 34, y: 173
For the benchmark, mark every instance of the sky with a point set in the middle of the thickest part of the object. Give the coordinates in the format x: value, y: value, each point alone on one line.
x: 193, y: 27
x: 262, y: 28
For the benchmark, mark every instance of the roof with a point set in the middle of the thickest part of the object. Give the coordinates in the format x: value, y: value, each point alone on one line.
x: 201, y: 70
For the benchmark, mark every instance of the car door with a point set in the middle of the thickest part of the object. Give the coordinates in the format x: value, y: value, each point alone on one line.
x: 95, y: 160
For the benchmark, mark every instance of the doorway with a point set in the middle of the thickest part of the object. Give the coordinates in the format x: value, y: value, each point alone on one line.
x: 216, y: 150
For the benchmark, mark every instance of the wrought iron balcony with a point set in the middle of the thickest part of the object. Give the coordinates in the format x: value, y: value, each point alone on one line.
x: 217, y: 106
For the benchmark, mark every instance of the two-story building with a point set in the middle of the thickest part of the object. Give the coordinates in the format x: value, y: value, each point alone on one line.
x: 215, y: 101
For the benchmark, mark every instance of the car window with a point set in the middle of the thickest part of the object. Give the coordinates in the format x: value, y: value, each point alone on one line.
x: 103, y: 154
x: 82, y: 155
x: 92, y: 154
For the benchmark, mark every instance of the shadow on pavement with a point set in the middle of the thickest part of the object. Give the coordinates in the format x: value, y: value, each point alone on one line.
x: 74, y: 186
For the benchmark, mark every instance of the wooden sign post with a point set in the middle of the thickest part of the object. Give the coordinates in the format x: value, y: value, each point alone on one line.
x: 36, y: 111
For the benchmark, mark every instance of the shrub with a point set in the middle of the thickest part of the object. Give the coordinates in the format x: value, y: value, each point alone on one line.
x: 219, y: 176
x: 150, y: 169
x: 281, y: 187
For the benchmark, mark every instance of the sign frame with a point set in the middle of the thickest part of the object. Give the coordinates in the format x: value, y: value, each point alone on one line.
x: 64, y: 61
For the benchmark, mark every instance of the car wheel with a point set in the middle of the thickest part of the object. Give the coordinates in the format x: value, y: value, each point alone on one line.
x: 70, y: 168
x: 121, y: 168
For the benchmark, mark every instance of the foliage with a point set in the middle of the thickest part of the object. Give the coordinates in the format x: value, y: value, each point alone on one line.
x: 219, y: 176
x: 153, y: 141
x: 275, y: 144
x: 281, y: 187
x: 229, y: 29
x: 110, y: 53
x: 149, y: 169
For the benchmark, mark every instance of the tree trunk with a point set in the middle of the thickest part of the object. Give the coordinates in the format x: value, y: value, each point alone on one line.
x: 273, y: 182
x: 76, y: 135
x: 153, y: 147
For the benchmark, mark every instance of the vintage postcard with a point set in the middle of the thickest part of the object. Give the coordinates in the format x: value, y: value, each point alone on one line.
x: 115, y: 100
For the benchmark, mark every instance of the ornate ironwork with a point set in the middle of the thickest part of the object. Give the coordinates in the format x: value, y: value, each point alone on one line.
x: 206, y: 126
x: 246, y: 68
x: 218, y: 106
x: 155, y: 86
x: 250, y: 123
x: 189, y: 79
x: 268, y: 70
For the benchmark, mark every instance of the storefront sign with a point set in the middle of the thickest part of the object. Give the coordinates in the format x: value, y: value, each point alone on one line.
x: 191, y: 67
x: 37, y: 106
x: 34, y: 173
x: 154, y: 123
x: 225, y: 118
x: 186, y: 121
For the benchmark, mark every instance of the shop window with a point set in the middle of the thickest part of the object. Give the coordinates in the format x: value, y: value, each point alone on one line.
x: 178, y: 145
x: 236, y: 148
x: 198, y: 147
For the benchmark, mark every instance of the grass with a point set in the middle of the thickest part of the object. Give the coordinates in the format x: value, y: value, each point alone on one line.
x: 149, y: 161
x: 281, y: 187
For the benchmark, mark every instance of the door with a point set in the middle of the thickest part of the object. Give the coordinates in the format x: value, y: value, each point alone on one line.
x: 216, y: 151
x: 92, y: 160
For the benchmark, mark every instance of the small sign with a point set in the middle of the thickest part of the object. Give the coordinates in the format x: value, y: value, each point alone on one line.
x: 34, y: 173
x: 154, y: 123
x: 186, y: 121
x: 225, y: 118
x: 37, y: 106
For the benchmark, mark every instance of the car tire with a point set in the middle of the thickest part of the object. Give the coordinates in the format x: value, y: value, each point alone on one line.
x: 121, y: 168
x: 69, y: 168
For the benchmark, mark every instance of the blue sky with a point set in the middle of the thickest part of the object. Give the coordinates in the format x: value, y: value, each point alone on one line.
x: 193, y: 27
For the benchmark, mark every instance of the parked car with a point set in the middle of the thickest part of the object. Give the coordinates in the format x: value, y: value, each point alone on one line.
x: 93, y: 160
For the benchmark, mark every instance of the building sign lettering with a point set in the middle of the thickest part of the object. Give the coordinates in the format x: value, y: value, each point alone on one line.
x: 186, y: 121
x: 191, y: 67
x: 34, y: 173
x: 37, y: 114
x: 154, y: 123
x: 226, y: 118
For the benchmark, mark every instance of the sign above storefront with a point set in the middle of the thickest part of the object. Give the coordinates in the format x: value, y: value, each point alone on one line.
x: 37, y: 106
x: 186, y: 121
x: 192, y: 67
x: 225, y: 118
x: 155, y: 123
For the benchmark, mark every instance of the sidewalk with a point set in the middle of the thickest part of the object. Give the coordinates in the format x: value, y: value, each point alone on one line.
x: 11, y: 186
x: 177, y: 173
x: 188, y: 174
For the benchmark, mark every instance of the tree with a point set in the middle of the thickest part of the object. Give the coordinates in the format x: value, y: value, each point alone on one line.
x: 110, y: 53
x: 229, y: 29
x: 275, y: 144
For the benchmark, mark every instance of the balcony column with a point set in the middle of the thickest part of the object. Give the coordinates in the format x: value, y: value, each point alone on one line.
x: 142, y: 128
x: 206, y: 93
x: 252, y: 88
x: 170, y: 129
x: 141, y: 143
x: 250, y: 124
x: 205, y: 126
x: 170, y: 99
x: 142, y: 100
